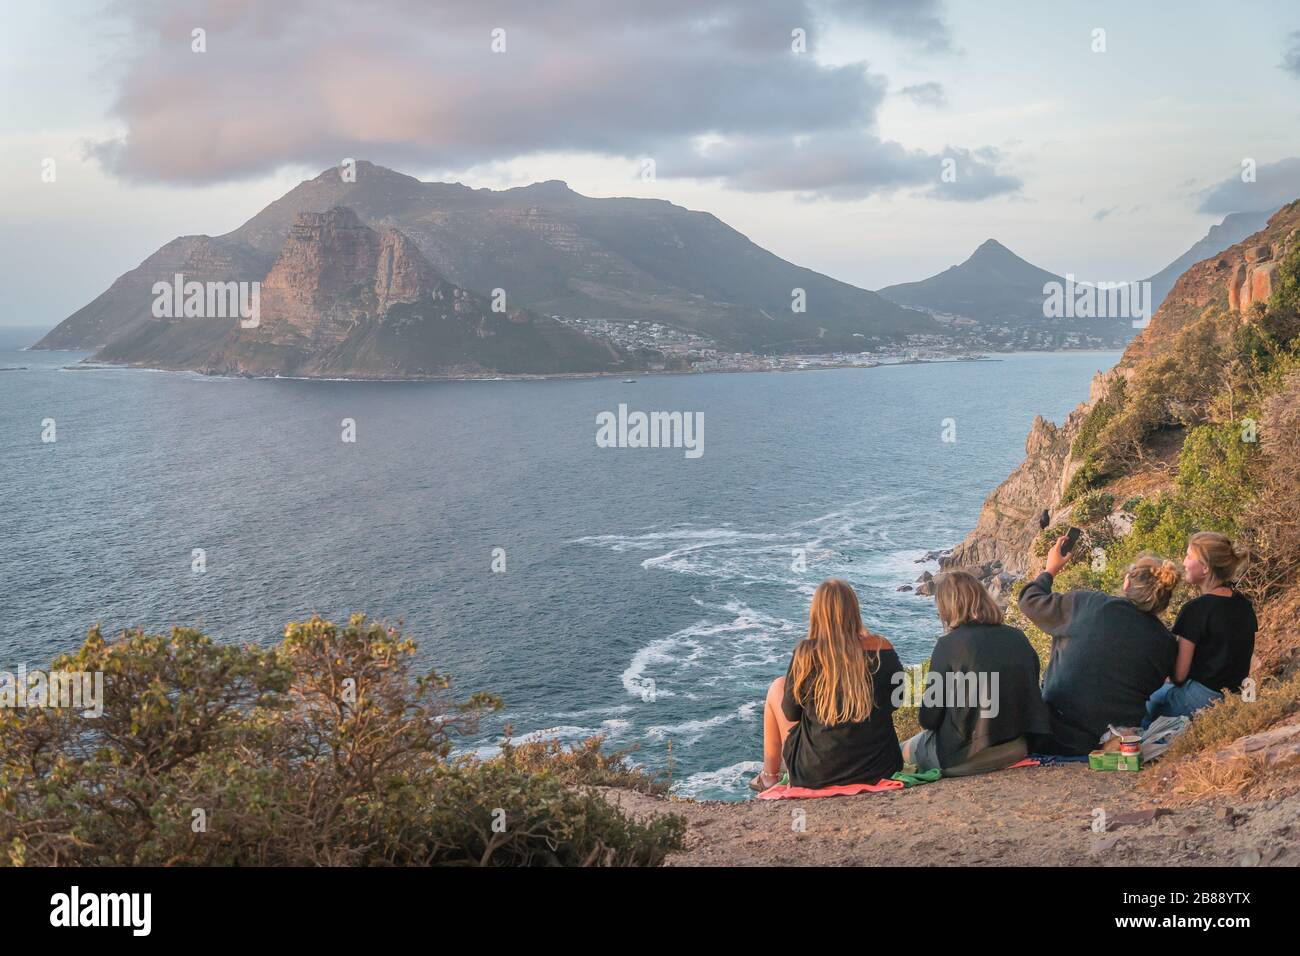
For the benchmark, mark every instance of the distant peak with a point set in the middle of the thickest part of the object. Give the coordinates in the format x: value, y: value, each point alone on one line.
x: 550, y: 187
x: 990, y: 252
x: 363, y: 168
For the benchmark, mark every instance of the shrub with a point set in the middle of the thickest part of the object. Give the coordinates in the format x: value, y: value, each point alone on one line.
x: 1286, y: 283
x: 586, y: 762
x: 1047, y: 537
x: 1214, y: 476
x: 1092, y: 506
x: 325, y: 750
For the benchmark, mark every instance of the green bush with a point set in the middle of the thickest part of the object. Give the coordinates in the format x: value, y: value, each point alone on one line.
x: 1092, y: 506
x: 1286, y: 283
x: 325, y: 750
x: 1214, y: 476
x: 586, y: 762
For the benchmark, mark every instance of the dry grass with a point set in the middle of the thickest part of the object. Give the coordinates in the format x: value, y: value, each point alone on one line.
x: 1195, y: 765
x: 1217, y: 777
x: 1231, y: 718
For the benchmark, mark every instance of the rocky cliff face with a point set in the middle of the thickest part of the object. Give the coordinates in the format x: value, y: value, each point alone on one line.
x: 1233, y: 282
x: 343, y: 299
x: 1009, y: 520
x: 332, y: 269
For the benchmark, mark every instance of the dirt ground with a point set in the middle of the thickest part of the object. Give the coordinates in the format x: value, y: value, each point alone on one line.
x: 1020, y: 817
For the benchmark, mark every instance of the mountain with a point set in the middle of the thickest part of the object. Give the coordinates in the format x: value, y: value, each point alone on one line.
x: 344, y: 300
x: 552, y: 250
x: 993, y: 286
x: 1234, y: 228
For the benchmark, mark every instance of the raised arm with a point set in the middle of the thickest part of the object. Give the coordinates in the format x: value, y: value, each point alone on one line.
x: 1049, y: 611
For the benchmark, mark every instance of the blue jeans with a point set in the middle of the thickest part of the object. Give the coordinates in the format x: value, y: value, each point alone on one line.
x: 1179, y: 700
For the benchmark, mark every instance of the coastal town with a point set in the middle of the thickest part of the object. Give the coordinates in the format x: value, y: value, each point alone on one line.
x: 671, y: 349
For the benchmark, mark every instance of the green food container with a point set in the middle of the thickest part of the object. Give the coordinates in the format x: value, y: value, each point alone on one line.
x: 1103, y: 760
x: 1129, y: 762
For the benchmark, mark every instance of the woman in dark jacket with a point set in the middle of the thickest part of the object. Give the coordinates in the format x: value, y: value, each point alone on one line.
x: 980, y: 701
x: 1109, y: 653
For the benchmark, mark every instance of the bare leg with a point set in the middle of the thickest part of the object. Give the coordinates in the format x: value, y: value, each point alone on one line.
x: 775, y: 728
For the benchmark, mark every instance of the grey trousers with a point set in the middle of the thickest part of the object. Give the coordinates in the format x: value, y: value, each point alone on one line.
x: 922, y: 750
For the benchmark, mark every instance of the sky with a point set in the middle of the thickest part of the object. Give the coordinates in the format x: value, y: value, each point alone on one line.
x: 877, y: 141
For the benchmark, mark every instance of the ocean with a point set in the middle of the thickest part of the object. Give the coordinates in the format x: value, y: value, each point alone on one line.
x: 648, y: 595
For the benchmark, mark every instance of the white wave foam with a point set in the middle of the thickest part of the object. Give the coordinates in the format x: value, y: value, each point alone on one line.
x: 690, y: 731
x: 733, y: 779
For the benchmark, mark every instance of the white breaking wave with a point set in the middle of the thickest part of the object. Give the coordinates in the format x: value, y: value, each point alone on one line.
x: 690, y: 731
x: 725, y: 780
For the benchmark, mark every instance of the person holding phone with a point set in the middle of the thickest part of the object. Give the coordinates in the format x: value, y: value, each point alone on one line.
x: 1109, y: 652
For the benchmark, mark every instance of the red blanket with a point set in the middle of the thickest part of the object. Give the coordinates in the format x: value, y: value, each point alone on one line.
x: 783, y: 791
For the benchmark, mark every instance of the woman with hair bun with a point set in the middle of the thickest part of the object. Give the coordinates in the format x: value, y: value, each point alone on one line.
x: 1215, y: 631
x: 1110, y: 653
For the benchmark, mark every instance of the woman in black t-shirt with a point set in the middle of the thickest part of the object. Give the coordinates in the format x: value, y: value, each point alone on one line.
x: 830, y: 719
x: 1215, y: 631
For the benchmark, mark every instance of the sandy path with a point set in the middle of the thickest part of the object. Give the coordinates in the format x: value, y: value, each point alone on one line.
x: 1026, y: 816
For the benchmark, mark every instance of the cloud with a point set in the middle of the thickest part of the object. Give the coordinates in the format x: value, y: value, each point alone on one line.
x: 845, y: 165
x: 925, y: 94
x: 918, y: 21
x: 1275, y: 185
x: 1101, y: 214
x: 403, y: 82
x: 1291, y: 57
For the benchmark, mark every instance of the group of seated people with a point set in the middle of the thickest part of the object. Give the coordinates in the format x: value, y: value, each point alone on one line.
x: 829, y: 720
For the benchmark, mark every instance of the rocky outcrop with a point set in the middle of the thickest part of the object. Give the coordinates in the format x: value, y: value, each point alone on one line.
x: 1233, y: 281
x: 333, y: 269
x: 1009, y: 520
x: 1252, y: 278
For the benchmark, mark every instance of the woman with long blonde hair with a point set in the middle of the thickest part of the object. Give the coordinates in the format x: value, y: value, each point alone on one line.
x: 1215, y: 631
x: 830, y: 718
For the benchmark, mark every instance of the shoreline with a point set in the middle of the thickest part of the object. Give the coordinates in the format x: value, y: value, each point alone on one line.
x: 85, y: 365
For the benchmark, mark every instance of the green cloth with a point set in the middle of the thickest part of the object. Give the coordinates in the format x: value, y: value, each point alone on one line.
x: 918, y: 778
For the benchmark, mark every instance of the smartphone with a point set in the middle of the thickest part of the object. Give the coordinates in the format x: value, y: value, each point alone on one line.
x: 1071, y: 538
